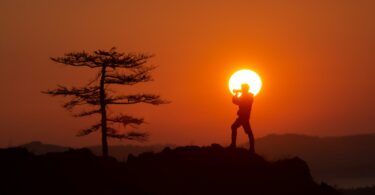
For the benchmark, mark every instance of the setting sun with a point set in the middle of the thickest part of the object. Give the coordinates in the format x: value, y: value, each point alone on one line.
x: 245, y: 76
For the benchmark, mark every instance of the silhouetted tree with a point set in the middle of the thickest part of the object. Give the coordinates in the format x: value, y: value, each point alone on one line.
x: 114, y: 69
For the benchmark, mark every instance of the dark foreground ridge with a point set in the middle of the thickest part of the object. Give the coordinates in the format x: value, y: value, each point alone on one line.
x: 184, y: 170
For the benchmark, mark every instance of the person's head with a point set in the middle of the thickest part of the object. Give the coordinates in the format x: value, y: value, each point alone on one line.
x: 245, y: 88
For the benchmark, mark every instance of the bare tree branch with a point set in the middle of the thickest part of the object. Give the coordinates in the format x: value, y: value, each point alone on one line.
x: 115, y: 59
x: 80, y: 96
x: 89, y: 130
x: 96, y: 78
x: 136, y: 136
x: 134, y: 99
x: 126, y: 120
x: 79, y: 59
x: 69, y: 105
x: 111, y: 58
x: 138, y: 75
x: 87, y: 113
x: 131, y: 60
x: 74, y: 91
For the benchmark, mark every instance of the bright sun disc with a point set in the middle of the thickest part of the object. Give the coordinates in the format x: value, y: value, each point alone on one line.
x: 245, y: 76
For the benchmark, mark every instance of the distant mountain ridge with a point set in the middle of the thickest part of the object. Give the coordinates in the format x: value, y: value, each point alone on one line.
x: 343, y: 160
x: 120, y: 152
x: 38, y: 147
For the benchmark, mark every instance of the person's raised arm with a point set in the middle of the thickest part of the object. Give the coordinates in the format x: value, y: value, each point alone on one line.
x: 235, y: 99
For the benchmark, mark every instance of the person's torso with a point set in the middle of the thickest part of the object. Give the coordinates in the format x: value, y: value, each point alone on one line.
x: 245, y: 104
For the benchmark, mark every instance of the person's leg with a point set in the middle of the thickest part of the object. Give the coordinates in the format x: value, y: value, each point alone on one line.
x: 249, y: 132
x: 234, y: 128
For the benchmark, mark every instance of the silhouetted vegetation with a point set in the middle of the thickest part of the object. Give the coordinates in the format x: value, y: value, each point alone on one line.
x: 114, y: 69
x: 184, y: 170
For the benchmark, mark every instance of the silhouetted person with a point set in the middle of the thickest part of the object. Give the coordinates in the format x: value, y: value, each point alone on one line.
x: 244, y: 102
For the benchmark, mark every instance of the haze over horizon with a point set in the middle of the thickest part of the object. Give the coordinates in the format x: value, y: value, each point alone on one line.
x: 316, y: 60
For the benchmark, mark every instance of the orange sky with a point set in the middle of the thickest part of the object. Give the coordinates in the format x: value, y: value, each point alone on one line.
x: 316, y: 60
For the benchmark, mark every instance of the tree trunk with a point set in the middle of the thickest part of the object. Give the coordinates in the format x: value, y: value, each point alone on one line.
x: 103, y: 113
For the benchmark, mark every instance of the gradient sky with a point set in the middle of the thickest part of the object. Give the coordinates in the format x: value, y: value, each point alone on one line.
x: 316, y: 59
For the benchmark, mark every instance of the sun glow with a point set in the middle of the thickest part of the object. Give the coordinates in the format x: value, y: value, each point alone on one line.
x: 245, y: 76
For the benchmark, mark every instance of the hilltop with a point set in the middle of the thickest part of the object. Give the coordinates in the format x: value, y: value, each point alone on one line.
x: 330, y: 158
x: 183, y: 170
